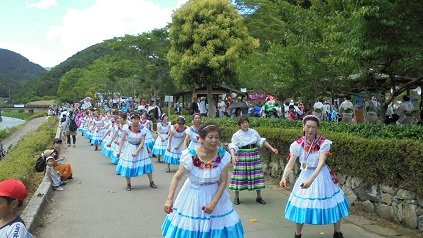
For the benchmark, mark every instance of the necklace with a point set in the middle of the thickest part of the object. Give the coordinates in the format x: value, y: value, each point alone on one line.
x: 304, y: 164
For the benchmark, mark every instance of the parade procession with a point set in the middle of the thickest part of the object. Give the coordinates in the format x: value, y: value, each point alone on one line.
x: 211, y: 119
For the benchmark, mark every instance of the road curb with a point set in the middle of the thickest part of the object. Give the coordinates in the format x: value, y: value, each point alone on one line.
x: 36, y: 205
x: 38, y: 202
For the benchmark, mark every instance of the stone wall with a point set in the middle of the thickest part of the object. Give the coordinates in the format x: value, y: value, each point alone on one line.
x: 394, y: 204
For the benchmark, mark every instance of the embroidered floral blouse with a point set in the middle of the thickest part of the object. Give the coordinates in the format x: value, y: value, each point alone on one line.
x: 297, y: 149
x: 198, y: 175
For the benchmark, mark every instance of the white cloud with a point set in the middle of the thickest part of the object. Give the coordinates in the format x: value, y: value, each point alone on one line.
x: 79, y: 29
x: 107, y: 19
x: 42, y: 4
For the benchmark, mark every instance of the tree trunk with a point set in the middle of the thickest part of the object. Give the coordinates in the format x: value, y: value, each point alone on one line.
x: 210, y: 100
x: 395, y: 93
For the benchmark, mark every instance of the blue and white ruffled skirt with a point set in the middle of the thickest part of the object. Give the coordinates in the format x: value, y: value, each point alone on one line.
x: 130, y: 166
x: 189, y: 220
x: 322, y: 203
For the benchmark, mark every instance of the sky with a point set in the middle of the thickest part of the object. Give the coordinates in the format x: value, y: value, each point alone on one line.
x: 47, y: 32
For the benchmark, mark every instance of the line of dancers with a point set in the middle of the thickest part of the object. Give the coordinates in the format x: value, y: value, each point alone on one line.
x: 202, y: 208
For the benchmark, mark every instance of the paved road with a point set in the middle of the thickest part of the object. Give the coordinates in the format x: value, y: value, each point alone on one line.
x: 95, y: 204
x: 30, y: 126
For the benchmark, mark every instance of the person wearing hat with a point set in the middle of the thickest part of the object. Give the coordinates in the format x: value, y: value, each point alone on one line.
x: 175, y: 146
x: 51, y: 173
x: 64, y: 169
x: 12, y: 194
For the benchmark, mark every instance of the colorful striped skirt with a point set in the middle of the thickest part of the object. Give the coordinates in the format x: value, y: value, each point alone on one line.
x: 248, y: 173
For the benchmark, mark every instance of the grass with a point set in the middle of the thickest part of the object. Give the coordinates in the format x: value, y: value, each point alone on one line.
x: 23, y: 114
x: 7, y: 132
x: 43, y: 102
x: 19, y: 162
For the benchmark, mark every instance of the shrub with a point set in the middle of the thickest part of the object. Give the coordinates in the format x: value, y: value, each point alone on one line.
x: 7, y: 132
x: 388, y: 161
x: 19, y: 162
x: 364, y: 130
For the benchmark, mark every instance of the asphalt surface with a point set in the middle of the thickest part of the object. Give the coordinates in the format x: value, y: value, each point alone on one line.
x: 95, y: 204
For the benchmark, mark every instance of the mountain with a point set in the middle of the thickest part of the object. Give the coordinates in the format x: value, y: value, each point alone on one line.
x: 47, y: 83
x: 15, y: 71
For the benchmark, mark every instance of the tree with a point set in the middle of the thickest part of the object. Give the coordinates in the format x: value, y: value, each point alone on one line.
x: 298, y: 57
x: 386, y: 38
x: 148, y: 52
x: 207, y: 38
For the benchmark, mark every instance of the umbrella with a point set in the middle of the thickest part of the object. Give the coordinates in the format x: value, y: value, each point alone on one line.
x: 86, y: 99
x: 238, y: 105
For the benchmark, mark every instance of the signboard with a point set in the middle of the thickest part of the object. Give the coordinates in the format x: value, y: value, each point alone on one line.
x: 244, y: 90
x: 19, y: 105
x: 168, y: 98
x: 257, y: 96
x: 86, y: 105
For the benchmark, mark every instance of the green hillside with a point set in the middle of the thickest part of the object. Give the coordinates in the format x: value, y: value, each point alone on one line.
x: 47, y: 84
x: 15, y: 71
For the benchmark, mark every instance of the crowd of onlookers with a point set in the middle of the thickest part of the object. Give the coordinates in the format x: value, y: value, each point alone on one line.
x: 339, y: 110
x: 401, y: 112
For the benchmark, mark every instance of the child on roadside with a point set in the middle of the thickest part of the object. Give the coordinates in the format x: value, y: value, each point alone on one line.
x: 54, y: 176
x: 12, y: 194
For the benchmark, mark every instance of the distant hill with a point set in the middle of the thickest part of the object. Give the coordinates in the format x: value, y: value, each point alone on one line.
x: 47, y: 83
x: 15, y: 71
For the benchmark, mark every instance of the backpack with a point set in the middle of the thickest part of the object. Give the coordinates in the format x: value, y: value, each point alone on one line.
x: 40, y: 165
x: 72, y: 125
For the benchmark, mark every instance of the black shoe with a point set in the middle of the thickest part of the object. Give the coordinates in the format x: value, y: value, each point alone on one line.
x: 96, y: 148
x: 128, y: 187
x: 260, y: 200
x: 236, y: 201
x: 297, y: 236
x: 338, y: 235
x: 153, y: 185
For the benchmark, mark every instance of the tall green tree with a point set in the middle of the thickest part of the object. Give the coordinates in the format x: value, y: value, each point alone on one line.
x: 207, y: 38
x: 148, y: 51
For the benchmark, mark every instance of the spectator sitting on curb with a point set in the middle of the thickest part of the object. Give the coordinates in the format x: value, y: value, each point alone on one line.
x: 12, y: 194
x: 60, y: 166
x: 52, y: 175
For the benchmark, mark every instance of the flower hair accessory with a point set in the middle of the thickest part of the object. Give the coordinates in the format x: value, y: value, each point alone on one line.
x: 311, y: 117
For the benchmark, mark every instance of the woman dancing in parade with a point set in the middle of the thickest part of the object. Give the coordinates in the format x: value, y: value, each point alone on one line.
x: 202, y: 208
x: 316, y: 198
x: 192, y: 132
x: 108, y: 136
x: 120, y: 126
x: 248, y: 173
x: 98, y: 130
x: 149, y: 140
x: 133, y: 155
x: 83, y: 123
x: 175, y: 145
x: 163, y: 128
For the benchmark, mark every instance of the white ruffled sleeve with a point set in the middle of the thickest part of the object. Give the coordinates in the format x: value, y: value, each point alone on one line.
x: 325, y: 147
x: 260, y: 141
x: 186, y: 160
x: 234, y: 142
x: 295, y: 149
x: 226, y: 159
